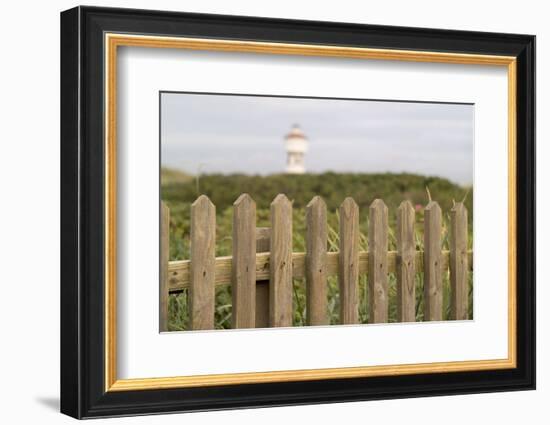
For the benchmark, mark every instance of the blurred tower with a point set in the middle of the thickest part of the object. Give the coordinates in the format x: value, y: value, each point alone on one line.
x: 296, y: 147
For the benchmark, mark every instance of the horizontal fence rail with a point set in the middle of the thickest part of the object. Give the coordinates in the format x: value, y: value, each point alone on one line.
x: 263, y: 266
x: 178, y: 271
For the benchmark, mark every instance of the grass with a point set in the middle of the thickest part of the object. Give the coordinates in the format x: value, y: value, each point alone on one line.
x: 364, y: 188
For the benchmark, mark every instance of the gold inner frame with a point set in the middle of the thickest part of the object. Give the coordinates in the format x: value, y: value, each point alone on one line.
x: 113, y: 41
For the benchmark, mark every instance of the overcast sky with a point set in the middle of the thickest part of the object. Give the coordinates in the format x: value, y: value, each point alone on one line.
x: 227, y: 134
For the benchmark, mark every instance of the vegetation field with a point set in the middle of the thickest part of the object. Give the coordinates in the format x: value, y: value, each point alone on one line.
x: 179, y: 190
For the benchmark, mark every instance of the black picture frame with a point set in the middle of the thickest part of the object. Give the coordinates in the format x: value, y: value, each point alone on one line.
x: 83, y: 392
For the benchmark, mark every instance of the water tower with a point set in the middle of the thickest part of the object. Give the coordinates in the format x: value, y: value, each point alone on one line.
x: 296, y: 147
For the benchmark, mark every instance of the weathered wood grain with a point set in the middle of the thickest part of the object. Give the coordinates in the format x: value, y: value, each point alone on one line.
x: 280, y: 281
x: 316, y: 254
x: 405, y: 264
x: 203, y: 264
x: 243, y: 286
x: 348, y: 262
x: 262, y: 285
x: 377, y: 276
x: 164, y: 265
x: 433, y: 283
x: 458, y: 263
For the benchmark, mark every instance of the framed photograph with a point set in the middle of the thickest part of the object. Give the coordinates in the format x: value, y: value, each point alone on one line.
x: 261, y: 212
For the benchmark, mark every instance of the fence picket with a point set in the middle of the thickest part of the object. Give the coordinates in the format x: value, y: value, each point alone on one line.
x: 458, y: 263
x: 348, y: 262
x: 433, y: 284
x: 263, y: 237
x: 244, y: 263
x: 316, y: 254
x: 405, y: 267
x: 377, y: 275
x: 280, y: 285
x: 164, y: 262
x: 203, y: 261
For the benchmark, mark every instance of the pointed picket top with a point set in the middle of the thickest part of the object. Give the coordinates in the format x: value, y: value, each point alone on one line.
x: 349, y: 207
x: 280, y: 200
x: 433, y: 206
x: 405, y: 227
x: 203, y: 201
x: 459, y: 208
x: 406, y: 206
x: 316, y: 210
x: 316, y: 218
x: 317, y: 202
x: 378, y: 220
x: 379, y: 205
x: 432, y: 220
x: 459, y: 213
x: 244, y: 200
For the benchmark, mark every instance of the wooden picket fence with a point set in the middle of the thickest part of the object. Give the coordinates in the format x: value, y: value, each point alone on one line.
x: 263, y: 265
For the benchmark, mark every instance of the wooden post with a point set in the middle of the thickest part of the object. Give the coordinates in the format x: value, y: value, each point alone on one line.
x: 459, y: 262
x: 316, y: 255
x: 377, y: 275
x: 433, y: 284
x: 280, y: 284
x: 262, y: 286
x: 348, y: 262
x: 405, y: 267
x: 243, y: 270
x: 164, y: 260
x: 203, y: 262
